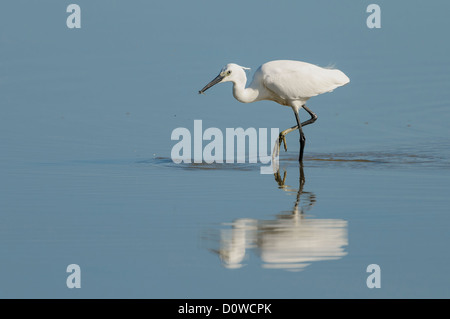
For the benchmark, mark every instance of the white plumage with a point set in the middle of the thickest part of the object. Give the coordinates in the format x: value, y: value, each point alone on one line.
x: 286, y: 82
x: 295, y: 80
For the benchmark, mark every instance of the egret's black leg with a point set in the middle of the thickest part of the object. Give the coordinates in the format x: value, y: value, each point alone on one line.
x: 313, y: 116
x: 282, y: 138
x: 302, y: 136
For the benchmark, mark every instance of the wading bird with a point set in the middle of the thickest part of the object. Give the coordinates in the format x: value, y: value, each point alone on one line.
x: 286, y: 82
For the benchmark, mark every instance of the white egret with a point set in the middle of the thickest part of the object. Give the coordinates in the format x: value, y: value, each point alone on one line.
x: 286, y: 82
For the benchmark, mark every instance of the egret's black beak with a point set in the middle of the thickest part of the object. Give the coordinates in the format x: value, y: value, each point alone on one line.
x: 216, y: 80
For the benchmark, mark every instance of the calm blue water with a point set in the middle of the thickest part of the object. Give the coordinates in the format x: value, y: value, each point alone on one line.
x: 86, y: 175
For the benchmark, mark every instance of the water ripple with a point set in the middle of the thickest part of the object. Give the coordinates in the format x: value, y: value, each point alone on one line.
x: 373, y: 159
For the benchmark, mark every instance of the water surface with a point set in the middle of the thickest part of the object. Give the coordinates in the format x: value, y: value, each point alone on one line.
x: 86, y: 175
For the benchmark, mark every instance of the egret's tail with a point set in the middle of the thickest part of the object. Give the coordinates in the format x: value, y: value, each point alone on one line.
x: 340, y: 78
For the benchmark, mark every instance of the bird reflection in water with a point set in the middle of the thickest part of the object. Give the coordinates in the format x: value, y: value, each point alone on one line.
x: 291, y: 241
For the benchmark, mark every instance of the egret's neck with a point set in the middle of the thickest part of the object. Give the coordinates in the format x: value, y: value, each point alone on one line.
x: 243, y: 94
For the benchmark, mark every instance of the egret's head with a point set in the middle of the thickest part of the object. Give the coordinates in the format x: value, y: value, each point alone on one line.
x: 229, y: 73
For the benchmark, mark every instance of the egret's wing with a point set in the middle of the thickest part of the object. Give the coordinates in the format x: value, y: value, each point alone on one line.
x: 303, y: 82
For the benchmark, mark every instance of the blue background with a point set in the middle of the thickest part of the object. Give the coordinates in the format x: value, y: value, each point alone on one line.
x: 85, y: 169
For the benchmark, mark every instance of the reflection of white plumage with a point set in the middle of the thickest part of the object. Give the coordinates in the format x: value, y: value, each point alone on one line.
x: 296, y: 245
x: 291, y: 242
x: 286, y: 82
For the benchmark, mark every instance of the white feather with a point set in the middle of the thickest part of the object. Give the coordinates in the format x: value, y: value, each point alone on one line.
x: 295, y: 80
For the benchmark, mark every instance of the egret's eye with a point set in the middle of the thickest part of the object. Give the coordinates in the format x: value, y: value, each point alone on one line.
x: 229, y: 72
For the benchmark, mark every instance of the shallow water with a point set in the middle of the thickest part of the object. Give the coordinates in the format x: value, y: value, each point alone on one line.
x: 86, y: 175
